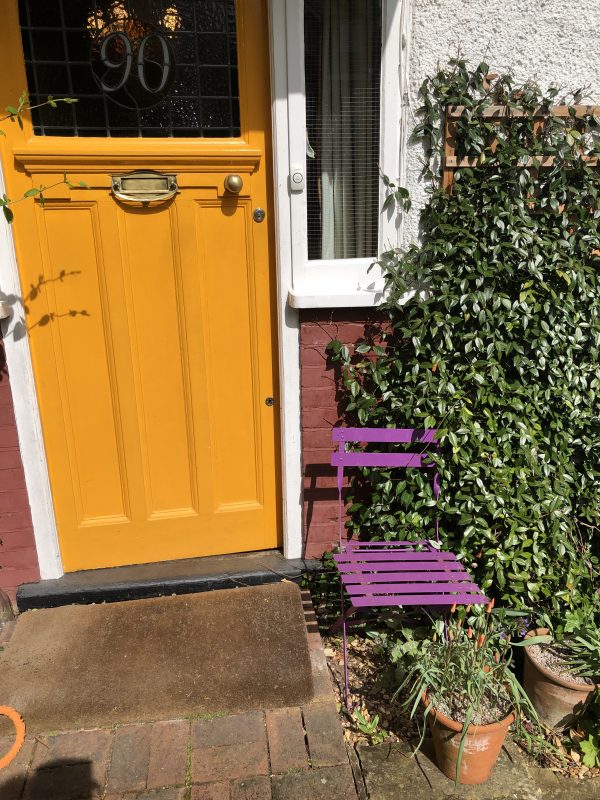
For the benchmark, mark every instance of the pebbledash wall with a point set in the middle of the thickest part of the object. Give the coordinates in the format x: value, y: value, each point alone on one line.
x: 550, y: 41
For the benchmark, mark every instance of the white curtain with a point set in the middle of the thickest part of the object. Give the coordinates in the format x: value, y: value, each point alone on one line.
x: 349, y: 111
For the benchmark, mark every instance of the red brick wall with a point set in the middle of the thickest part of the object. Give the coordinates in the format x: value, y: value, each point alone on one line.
x: 18, y: 557
x: 322, y: 406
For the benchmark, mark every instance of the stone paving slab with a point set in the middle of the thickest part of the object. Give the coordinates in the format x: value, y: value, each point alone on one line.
x: 168, y: 754
x: 329, y: 783
x: 12, y: 778
x: 287, y: 745
x: 392, y: 772
x: 321, y: 722
x: 130, y: 758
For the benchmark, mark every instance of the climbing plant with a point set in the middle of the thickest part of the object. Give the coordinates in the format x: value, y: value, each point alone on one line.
x: 14, y: 114
x: 494, y: 339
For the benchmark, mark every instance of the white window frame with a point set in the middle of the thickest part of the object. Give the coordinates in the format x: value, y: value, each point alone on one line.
x: 339, y: 282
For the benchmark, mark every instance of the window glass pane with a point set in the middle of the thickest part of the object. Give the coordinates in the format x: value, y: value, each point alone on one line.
x: 342, y: 43
x: 136, y: 67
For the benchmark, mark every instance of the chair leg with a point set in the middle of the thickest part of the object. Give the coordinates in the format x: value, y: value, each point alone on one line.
x: 345, y: 649
x: 345, y: 616
x: 341, y: 622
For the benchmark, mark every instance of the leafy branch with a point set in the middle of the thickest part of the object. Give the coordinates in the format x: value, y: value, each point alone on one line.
x: 15, y: 115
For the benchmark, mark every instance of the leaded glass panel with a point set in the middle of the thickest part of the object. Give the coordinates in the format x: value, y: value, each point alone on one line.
x: 136, y: 67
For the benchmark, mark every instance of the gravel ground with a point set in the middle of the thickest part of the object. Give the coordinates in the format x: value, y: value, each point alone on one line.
x: 554, y: 657
x: 455, y: 707
x: 371, y: 695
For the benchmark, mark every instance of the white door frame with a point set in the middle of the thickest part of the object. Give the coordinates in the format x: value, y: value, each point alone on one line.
x: 281, y: 16
x: 27, y: 414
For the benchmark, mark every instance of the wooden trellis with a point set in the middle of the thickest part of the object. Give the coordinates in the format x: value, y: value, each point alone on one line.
x: 499, y: 114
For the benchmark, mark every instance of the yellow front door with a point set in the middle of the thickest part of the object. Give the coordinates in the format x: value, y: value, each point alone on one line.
x: 150, y: 323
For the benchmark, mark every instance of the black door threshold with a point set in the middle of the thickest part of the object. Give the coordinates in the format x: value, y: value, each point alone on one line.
x: 164, y: 578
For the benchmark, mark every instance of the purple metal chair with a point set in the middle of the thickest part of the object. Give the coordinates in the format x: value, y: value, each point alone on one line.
x: 398, y: 573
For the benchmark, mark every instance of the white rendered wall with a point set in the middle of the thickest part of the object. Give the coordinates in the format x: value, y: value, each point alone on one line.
x: 549, y: 41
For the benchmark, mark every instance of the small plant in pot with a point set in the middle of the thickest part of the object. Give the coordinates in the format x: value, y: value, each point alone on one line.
x: 461, y: 680
x: 562, y: 669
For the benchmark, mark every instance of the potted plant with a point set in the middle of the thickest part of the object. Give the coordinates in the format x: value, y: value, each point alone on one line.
x: 462, y: 682
x: 562, y: 670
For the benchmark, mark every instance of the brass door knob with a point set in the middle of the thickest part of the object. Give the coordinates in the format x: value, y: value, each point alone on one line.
x: 233, y: 183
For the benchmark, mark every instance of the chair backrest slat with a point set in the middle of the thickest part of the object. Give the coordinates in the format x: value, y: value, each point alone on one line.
x: 417, y: 460
x: 407, y: 435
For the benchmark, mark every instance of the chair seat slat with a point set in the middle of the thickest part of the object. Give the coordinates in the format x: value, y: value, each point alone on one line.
x: 440, y: 587
x: 370, y: 557
x: 385, y: 577
x: 460, y: 598
x: 397, y: 566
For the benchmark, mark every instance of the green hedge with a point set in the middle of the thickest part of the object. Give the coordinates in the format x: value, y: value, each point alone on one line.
x: 498, y: 348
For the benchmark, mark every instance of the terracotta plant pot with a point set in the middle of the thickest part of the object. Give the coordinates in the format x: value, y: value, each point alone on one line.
x: 480, y: 753
x: 558, y: 701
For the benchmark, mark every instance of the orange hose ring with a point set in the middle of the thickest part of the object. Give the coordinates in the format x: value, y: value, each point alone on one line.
x: 19, y: 723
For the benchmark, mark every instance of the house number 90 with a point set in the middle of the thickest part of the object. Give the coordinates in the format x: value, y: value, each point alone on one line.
x: 121, y: 44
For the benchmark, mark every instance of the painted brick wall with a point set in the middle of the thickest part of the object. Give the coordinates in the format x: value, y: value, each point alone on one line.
x: 322, y: 407
x: 18, y: 557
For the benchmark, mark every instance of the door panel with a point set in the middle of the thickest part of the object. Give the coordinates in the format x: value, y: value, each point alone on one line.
x: 151, y: 330
x: 77, y: 322
x: 156, y: 334
x: 230, y: 393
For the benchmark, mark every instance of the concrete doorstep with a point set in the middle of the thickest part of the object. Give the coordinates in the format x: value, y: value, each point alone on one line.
x: 286, y: 753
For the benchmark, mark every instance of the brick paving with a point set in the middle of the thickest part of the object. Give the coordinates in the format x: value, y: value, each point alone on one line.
x: 279, y: 754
